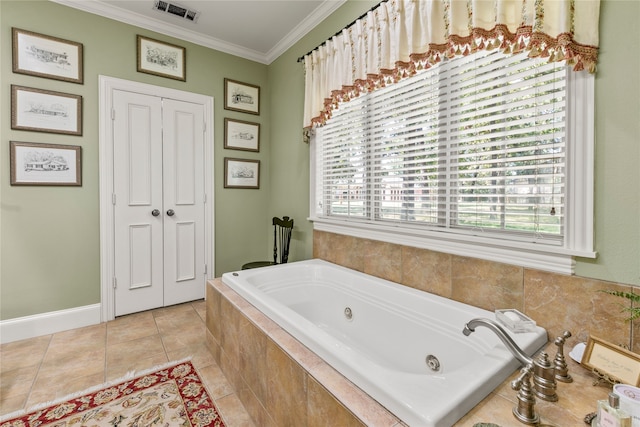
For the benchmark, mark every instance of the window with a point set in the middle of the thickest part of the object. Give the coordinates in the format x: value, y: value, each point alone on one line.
x: 480, y: 151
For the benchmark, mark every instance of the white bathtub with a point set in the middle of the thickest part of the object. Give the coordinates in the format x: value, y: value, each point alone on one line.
x: 380, y: 335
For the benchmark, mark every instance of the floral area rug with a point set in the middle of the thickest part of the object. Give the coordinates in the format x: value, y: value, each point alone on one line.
x: 168, y: 396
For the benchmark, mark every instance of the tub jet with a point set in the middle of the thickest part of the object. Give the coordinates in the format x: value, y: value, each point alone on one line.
x: 433, y: 363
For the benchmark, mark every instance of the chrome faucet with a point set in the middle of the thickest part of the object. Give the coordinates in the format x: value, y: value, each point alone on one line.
x: 544, y: 381
x: 504, y: 337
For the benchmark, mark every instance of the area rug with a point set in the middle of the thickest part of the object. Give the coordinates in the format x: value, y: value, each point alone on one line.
x: 171, y: 395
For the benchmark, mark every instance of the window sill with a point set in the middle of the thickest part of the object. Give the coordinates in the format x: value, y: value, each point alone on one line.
x: 553, y: 259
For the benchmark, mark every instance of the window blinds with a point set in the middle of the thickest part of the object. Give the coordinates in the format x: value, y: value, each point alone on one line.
x: 474, y: 145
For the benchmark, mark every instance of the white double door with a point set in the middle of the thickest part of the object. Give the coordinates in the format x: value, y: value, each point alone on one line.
x: 158, y: 182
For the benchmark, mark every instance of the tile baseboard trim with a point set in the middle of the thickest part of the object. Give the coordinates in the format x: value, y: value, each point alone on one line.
x: 49, y: 323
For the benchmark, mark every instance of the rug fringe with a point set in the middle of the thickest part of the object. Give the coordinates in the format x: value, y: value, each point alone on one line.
x: 126, y: 377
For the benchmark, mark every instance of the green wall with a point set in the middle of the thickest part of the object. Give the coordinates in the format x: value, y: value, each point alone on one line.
x: 50, y: 247
x: 49, y: 237
x: 617, y: 170
x: 617, y: 123
x: 290, y: 155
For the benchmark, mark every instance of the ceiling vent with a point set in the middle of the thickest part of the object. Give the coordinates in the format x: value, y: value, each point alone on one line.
x: 176, y: 10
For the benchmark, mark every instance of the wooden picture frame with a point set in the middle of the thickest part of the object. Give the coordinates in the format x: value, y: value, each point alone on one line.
x: 241, y: 135
x: 243, y: 97
x: 45, y: 111
x: 45, y: 164
x: 161, y: 58
x: 612, y: 361
x: 241, y: 173
x: 46, y: 56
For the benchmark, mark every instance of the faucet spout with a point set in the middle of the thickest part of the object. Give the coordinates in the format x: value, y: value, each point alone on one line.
x: 502, y: 334
x: 543, y: 371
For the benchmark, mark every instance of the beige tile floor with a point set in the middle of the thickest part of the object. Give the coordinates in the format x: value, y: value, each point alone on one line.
x: 50, y: 367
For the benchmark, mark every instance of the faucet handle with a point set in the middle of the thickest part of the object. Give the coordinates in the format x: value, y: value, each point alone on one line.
x: 524, y: 411
x: 561, y: 369
x: 544, y: 381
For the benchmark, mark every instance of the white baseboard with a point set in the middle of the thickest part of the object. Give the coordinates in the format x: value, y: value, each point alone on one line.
x: 49, y: 323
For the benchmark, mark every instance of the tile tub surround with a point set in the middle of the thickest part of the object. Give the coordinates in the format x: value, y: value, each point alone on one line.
x: 280, y: 382
x: 556, y: 302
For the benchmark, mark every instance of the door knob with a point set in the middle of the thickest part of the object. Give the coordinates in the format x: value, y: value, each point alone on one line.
x: 155, y: 212
x: 170, y: 212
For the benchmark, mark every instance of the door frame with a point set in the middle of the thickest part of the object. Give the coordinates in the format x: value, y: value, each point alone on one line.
x: 106, y: 162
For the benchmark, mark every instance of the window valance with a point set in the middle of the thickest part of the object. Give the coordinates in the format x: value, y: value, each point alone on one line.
x: 400, y: 37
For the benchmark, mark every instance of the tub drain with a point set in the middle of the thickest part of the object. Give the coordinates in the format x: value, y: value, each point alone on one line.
x: 348, y: 313
x: 433, y: 363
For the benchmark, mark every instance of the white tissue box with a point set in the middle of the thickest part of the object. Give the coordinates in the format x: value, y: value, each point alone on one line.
x: 515, y: 321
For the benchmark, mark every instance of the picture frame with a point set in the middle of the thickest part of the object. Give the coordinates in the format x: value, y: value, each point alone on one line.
x: 34, y: 163
x: 41, y: 110
x: 241, y: 135
x: 611, y: 361
x: 243, y: 97
x: 161, y: 58
x: 46, y: 56
x: 241, y: 173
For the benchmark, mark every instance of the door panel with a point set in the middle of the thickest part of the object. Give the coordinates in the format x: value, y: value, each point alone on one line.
x: 140, y: 253
x: 138, y: 238
x: 185, y: 158
x: 139, y: 151
x: 186, y: 245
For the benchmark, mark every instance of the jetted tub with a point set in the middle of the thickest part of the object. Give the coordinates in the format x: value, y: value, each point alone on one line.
x: 403, y: 347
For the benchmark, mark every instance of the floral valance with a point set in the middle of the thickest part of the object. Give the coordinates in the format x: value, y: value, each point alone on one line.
x: 399, y: 37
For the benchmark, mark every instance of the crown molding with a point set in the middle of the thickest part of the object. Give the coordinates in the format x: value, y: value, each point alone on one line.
x: 322, y: 12
x: 99, y: 8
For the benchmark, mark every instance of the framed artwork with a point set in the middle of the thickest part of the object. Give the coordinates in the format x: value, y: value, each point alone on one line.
x: 242, y: 97
x: 241, y: 173
x: 45, y: 56
x: 45, y: 164
x: 241, y: 135
x: 611, y: 361
x: 45, y: 111
x: 162, y: 59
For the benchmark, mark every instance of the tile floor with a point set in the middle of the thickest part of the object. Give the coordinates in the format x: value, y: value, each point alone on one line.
x: 50, y: 367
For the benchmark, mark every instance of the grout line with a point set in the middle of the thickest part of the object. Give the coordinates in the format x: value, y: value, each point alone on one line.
x: 632, y: 323
x: 160, y: 335
x: 35, y: 378
x: 106, y: 342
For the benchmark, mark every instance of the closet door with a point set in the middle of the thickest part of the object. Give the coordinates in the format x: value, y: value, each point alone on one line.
x: 183, y: 192
x: 159, y: 257
x: 138, y: 219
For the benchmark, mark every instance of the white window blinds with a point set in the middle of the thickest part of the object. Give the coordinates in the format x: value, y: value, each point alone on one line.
x: 473, y: 146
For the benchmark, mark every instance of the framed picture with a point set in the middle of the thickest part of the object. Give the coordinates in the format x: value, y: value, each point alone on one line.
x: 242, y: 97
x: 612, y: 361
x: 241, y: 135
x: 162, y: 59
x: 45, y: 164
x: 241, y: 173
x: 45, y: 56
x: 45, y: 111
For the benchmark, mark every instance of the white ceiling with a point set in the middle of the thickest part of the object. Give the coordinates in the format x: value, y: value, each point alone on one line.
x: 259, y: 30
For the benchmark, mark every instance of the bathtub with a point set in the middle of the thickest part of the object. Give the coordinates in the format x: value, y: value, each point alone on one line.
x: 403, y: 347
